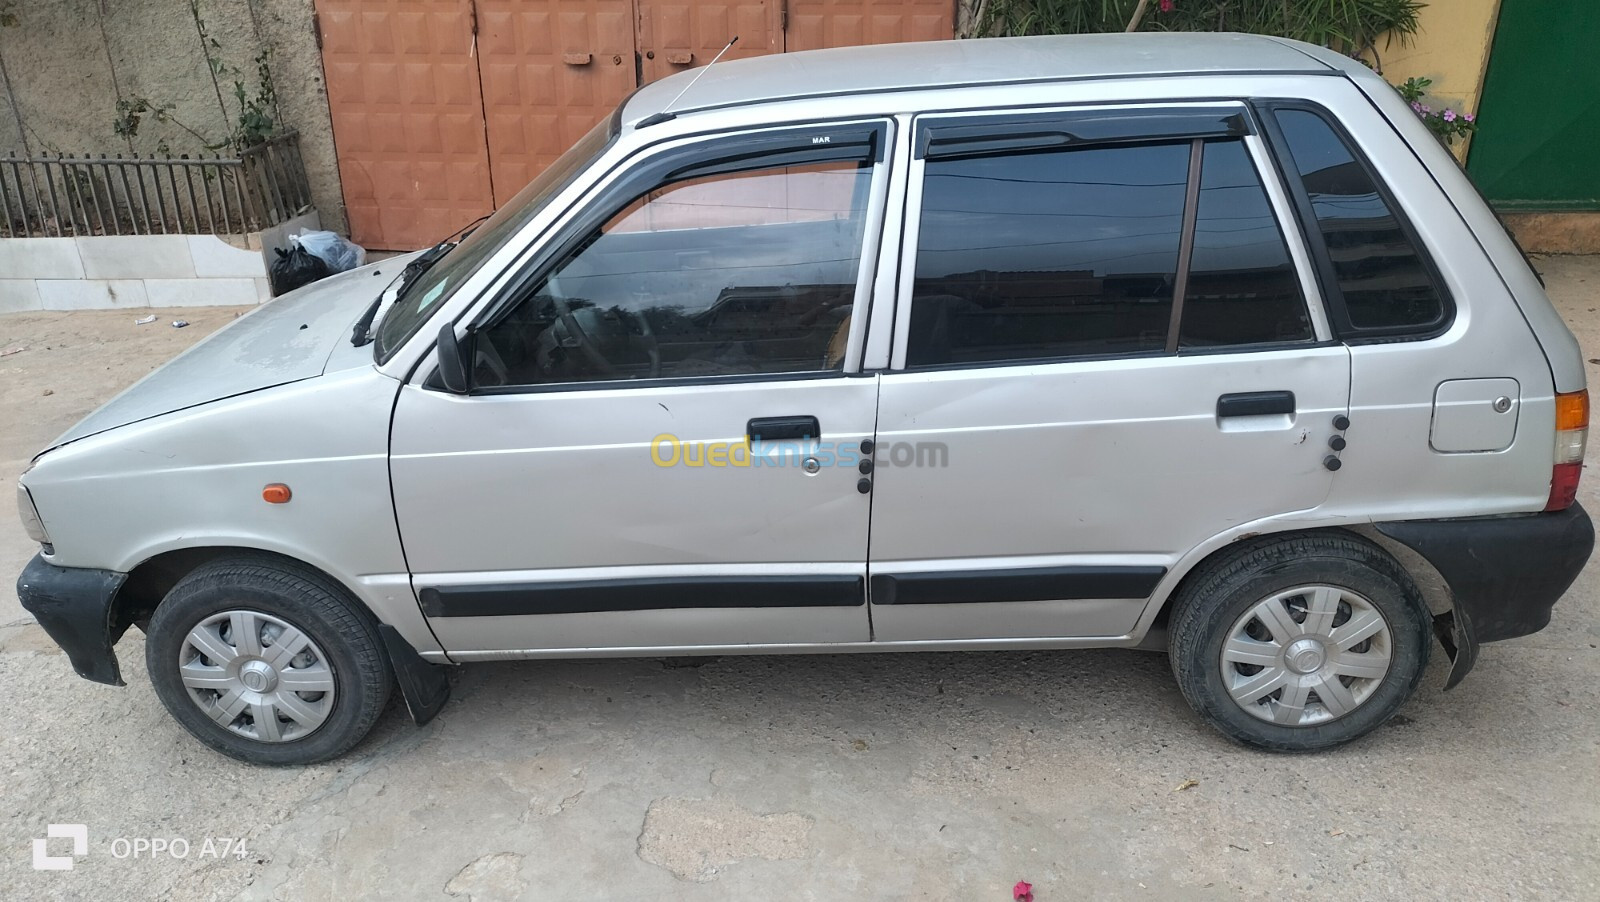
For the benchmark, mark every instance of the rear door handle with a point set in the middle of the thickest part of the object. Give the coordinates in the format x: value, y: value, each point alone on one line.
x: 1255, y: 404
x: 767, y: 429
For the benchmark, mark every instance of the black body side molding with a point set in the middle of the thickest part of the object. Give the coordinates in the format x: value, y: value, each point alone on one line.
x: 645, y: 594
x: 1032, y: 584
x: 1505, y: 573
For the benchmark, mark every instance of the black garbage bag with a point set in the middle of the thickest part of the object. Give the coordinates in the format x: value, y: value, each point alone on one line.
x: 296, y: 267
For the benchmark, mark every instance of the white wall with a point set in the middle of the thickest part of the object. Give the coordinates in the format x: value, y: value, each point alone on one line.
x: 128, y: 271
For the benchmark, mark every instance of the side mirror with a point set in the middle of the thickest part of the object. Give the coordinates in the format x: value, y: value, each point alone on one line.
x: 454, y: 370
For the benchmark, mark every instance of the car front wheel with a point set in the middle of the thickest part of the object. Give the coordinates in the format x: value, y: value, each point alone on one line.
x: 1299, y: 643
x: 267, y: 661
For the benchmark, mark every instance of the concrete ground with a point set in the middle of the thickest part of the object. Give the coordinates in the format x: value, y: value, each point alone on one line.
x: 934, y: 776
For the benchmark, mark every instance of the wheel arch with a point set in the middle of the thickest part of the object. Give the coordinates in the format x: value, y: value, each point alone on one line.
x: 150, y: 581
x: 1152, y: 626
x: 423, y: 685
x: 387, y: 597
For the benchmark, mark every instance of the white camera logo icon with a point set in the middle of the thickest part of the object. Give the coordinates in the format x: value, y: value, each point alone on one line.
x: 78, y: 833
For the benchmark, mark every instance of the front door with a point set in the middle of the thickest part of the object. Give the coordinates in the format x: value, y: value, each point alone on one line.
x: 656, y: 451
x: 1107, y: 359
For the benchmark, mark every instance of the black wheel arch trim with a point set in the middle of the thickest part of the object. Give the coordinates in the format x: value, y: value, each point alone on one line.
x: 1505, y: 573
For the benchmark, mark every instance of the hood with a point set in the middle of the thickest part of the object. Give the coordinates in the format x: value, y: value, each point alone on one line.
x: 284, y: 340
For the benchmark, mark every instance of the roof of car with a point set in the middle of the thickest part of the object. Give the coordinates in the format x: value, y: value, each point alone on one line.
x: 988, y: 61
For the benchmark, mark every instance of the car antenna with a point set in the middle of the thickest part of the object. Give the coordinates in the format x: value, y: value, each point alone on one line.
x: 664, y: 115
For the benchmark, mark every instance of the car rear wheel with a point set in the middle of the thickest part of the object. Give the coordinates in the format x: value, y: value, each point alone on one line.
x: 1299, y: 643
x: 267, y: 661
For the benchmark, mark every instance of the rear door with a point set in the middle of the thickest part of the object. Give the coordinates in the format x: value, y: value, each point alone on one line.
x: 1104, y: 356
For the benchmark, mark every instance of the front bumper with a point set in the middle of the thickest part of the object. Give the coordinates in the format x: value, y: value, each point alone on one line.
x: 1505, y: 573
x: 74, y: 606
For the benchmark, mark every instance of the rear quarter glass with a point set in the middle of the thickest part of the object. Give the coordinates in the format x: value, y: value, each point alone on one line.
x: 1384, y: 285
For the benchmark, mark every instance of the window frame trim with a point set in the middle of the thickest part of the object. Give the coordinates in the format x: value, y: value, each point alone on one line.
x: 1002, y: 133
x: 671, y: 160
x: 1252, y: 141
x: 1292, y: 229
x: 1299, y: 200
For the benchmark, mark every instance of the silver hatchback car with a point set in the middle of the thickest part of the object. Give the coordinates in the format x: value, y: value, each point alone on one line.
x: 1190, y: 342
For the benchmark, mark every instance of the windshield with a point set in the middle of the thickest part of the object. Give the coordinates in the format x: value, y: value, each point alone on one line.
x: 435, y: 284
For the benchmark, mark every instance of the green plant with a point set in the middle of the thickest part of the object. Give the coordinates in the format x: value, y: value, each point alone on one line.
x: 1445, y: 123
x: 257, y: 117
x: 131, y: 112
x: 256, y: 120
x: 1352, y: 27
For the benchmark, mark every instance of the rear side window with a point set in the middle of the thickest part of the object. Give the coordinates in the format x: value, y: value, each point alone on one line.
x: 1026, y: 256
x: 1243, y: 288
x: 1072, y: 253
x: 1387, y: 286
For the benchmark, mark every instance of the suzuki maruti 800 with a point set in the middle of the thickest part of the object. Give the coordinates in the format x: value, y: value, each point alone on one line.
x: 1193, y: 342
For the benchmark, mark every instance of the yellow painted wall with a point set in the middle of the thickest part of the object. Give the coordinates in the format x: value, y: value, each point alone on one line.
x: 1452, y: 48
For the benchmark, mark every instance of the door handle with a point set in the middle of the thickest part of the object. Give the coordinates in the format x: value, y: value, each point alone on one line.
x: 1255, y: 404
x: 577, y: 59
x: 767, y: 429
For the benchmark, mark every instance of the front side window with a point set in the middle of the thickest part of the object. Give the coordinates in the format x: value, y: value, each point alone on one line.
x: 1380, y: 273
x: 1069, y: 253
x: 742, y: 273
x: 435, y: 285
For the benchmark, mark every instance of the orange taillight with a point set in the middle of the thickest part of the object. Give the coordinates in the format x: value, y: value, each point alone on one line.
x: 1572, y: 410
x: 1572, y: 435
x: 276, y: 493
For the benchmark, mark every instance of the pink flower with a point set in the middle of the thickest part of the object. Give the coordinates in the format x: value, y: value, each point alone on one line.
x: 1416, y: 107
x: 1168, y: 6
x: 1449, y: 115
x: 1427, y: 109
x: 1023, y: 891
x: 1469, y: 117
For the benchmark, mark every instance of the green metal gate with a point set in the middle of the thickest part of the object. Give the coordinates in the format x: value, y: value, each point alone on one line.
x: 1538, y: 141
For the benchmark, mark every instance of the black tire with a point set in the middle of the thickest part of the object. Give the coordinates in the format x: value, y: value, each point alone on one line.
x: 1213, y: 600
x: 346, y: 634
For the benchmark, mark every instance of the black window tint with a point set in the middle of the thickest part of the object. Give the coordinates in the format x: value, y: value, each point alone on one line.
x: 1242, y: 285
x: 722, y: 275
x: 1385, y: 283
x: 1047, y: 254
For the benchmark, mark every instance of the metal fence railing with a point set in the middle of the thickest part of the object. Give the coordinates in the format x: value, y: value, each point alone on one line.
x: 114, y: 195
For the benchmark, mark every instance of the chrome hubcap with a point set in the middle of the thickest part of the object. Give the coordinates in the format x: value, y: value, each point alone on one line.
x: 257, y: 675
x: 1306, y: 655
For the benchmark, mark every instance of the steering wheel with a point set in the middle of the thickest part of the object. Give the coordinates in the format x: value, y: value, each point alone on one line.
x: 586, y: 345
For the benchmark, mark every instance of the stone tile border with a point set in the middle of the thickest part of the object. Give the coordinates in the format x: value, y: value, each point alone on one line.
x: 131, y: 271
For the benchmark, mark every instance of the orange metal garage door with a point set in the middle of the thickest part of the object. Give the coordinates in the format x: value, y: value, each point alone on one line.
x: 816, y: 24
x: 443, y: 109
x: 551, y: 70
x: 408, y: 120
x: 675, y: 35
